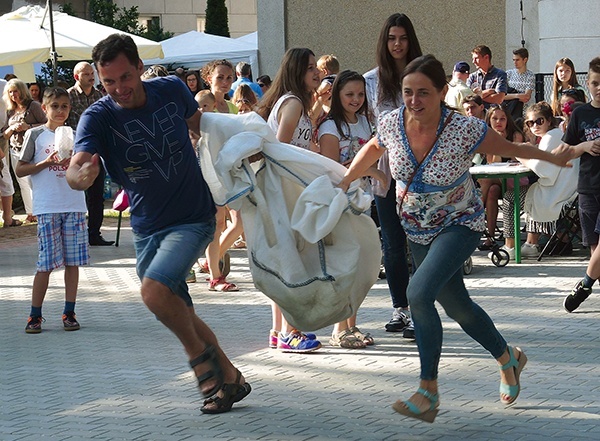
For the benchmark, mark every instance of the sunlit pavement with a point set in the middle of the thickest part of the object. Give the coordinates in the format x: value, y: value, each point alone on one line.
x: 124, y: 376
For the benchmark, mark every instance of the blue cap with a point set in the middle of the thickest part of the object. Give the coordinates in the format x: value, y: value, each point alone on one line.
x: 462, y: 67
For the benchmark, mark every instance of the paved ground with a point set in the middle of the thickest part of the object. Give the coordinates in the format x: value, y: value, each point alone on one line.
x: 123, y: 376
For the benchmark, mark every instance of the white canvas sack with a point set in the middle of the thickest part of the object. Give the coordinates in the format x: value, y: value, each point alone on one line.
x: 311, y: 247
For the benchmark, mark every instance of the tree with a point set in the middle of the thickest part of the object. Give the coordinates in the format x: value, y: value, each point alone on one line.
x: 107, y: 13
x: 216, y: 18
x: 155, y: 32
x: 125, y: 19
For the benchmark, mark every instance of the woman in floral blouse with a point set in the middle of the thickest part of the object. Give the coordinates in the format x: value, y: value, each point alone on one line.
x: 431, y: 148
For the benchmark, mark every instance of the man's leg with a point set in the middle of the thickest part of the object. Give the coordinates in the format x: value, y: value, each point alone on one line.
x: 193, y: 333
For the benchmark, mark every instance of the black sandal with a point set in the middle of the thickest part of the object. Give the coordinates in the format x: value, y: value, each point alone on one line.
x: 232, y: 393
x: 209, y: 355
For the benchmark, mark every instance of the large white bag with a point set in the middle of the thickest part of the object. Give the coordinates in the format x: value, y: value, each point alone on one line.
x: 311, y: 248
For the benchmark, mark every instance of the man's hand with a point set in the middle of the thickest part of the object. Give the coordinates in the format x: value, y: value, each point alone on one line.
x: 81, y: 175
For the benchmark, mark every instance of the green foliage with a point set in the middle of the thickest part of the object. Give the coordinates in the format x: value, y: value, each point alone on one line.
x: 104, y: 12
x: 156, y: 33
x: 64, y: 73
x: 216, y: 18
x: 67, y: 8
x: 124, y: 19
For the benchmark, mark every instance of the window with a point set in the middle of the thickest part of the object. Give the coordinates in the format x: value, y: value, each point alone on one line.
x: 148, y: 22
x: 201, y: 23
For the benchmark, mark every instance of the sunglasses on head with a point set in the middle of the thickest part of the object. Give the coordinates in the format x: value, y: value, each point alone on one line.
x: 538, y: 122
x: 572, y: 92
x: 243, y: 101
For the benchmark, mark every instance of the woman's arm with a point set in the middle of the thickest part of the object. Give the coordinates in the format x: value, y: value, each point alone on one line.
x: 288, y: 117
x: 330, y: 147
x: 497, y: 145
x: 36, y: 116
x: 362, y: 162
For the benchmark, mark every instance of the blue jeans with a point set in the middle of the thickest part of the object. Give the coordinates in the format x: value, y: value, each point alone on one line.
x: 394, y: 247
x: 167, y: 255
x: 439, y: 277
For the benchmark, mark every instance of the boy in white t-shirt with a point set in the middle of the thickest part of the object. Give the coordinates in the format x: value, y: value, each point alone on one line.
x: 62, y: 230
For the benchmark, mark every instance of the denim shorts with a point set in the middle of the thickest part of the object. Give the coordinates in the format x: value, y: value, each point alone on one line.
x: 62, y: 241
x: 589, y: 215
x: 168, y: 255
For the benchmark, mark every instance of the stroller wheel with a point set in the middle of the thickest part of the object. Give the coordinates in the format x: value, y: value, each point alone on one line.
x: 468, y: 266
x: 500, y: 257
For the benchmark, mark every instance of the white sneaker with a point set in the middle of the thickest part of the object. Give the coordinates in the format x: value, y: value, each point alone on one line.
x: 530, y: 250
x: 510, y: 251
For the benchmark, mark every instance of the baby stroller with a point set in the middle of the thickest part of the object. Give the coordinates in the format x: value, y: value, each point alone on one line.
x: 497, y: 255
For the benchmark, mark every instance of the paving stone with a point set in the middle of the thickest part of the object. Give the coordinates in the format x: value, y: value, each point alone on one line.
x: 123, y: 376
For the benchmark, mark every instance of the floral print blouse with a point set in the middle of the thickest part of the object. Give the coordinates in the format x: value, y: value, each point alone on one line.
x: 442, y: 192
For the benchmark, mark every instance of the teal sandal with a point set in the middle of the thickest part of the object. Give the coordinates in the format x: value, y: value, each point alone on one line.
x: 517, y: 364
x: 409, y: 409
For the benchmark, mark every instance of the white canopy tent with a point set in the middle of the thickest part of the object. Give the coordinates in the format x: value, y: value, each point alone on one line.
x: 26, y: 37
x: 194, y: 49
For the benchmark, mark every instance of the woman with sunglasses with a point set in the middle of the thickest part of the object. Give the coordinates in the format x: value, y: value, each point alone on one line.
x: 555, y: 187
x: 563, y: 80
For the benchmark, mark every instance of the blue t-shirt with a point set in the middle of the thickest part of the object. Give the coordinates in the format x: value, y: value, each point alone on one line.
x: 149, y: 153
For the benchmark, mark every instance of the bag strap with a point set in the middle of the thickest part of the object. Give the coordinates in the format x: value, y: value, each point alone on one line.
x: 414, y: 173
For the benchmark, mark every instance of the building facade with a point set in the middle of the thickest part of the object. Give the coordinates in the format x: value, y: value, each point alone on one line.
x: 449, y: 29
x: 177, y: 16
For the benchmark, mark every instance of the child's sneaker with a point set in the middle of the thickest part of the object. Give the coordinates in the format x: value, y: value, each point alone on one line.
x: 34, y: 325
x: 70, y: 322
x: 273, y: 336
x: 191, y: 277
x: 530, y: 250
x: 510, y: 251
x: 577, y: 297
x: 297, y: 342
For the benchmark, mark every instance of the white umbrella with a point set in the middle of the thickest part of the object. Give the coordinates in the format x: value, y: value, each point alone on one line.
x: 26, y: 37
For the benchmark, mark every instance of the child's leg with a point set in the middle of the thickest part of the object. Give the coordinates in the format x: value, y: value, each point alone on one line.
x: 276, y: 317
x: 231, y: 233
x: 40, y: 286
x: 213, y: 249
x: 75, y: 243
x: 71, y: 282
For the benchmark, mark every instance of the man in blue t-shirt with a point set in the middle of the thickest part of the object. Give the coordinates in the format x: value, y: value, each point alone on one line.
x: 140, y: 130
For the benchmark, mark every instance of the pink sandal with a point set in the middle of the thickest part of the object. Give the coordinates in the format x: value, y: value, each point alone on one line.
x: 222, y: 285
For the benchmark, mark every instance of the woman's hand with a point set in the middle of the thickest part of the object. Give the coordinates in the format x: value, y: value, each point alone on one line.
x: 344, y: 184
x: 562, y: 154
x: 375, y: 173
